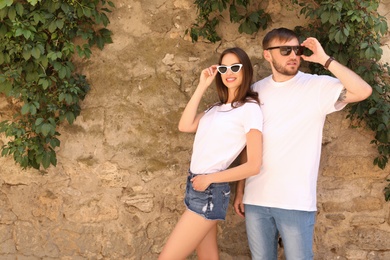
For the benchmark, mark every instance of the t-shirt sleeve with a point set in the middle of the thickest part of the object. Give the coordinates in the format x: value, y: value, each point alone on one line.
x: 329, y: 94
x: 252, y: 117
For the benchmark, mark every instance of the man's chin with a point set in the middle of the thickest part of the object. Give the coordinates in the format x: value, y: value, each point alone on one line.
x: 291, y: 72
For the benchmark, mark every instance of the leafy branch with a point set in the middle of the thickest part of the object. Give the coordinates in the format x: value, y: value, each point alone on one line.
x: 36, y: 70
x: 240, y: 11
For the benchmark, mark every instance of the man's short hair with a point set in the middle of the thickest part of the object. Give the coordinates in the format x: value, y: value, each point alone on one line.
x: 281, y: 34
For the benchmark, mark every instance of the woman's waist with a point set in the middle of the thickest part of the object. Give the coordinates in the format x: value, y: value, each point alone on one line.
x: 192, y: 175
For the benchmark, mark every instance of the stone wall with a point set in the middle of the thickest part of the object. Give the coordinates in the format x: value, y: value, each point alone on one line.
x: 118, y: 188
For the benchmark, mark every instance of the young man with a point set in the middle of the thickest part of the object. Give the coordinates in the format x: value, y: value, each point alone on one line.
x: 281, y: 199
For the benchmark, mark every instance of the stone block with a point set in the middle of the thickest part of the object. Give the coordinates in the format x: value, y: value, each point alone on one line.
x: 370, y: 238
x: 366, y: 219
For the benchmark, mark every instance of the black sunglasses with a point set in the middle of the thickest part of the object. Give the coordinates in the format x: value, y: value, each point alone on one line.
x: 286, y: 50
x: 234, y: 68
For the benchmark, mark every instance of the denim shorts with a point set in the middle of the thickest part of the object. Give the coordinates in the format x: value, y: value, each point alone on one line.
x: 212, y: 203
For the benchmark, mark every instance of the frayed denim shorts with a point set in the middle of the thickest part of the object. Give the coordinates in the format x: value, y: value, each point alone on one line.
x: 212, y: 203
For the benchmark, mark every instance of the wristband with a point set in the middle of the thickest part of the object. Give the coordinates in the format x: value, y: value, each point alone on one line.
x: 326, y: 66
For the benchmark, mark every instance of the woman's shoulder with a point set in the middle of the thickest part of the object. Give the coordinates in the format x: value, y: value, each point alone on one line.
x: 251, y: 104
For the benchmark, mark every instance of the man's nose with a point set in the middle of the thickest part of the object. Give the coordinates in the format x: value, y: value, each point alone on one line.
x: 292, y: 54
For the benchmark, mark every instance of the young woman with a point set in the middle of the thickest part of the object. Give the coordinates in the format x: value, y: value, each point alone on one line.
x: 222, y: 132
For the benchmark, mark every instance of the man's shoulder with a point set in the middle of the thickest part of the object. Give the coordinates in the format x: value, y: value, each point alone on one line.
x: 264, y: 79
x: 262, y: 82
x: 302, y: 74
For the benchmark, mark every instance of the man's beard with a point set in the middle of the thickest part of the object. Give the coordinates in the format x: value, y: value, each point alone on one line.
x: 283, y: 70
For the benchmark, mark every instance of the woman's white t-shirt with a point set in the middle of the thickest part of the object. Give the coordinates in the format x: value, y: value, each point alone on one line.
x: 221, y: 136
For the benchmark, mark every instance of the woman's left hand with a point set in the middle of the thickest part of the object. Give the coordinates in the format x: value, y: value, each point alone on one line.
x: 201, y: 182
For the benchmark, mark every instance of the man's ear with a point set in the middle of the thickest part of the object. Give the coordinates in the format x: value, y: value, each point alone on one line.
x: 267, y: 55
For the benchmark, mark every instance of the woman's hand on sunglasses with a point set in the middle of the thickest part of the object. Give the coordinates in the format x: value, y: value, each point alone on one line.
x: 207, y: 76
x: 319, y: 55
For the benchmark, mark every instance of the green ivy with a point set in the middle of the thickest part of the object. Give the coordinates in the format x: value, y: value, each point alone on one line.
x: 349, y: 30
x: 37, y: 43
x: 209, y: 13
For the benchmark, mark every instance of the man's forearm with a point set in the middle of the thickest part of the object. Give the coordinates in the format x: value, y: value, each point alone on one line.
x: 240, y: 186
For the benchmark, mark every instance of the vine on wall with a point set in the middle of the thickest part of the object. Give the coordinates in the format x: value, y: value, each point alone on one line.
x: 349, y: 30
x: 37, y: 43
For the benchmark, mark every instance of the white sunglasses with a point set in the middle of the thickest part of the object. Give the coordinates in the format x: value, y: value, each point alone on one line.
x: 234, y: 68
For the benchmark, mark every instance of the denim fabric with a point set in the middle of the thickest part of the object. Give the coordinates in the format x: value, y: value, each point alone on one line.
x: 265, y: 224
x: 212, y: 203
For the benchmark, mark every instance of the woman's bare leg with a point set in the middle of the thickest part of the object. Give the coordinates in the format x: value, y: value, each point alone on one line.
x: 186, y: 236
x: 208, y: 247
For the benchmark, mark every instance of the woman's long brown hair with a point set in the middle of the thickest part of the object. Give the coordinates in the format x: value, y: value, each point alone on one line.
x: 244, y: 91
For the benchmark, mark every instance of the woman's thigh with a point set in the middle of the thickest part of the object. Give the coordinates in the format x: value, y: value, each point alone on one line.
x: 186, y: 236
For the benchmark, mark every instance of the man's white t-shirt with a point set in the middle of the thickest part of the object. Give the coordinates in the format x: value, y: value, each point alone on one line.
x: 294, y: 113
x: 221, y: 136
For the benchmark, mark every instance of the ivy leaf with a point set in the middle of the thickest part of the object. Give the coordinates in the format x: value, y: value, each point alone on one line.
x: 33, y: 110
x: 3, y: 28
x: 4, y: 3
x: 19, y: 9
x: 5, y: 152
x: 26, y: 54
x: 25, y: 109
x: 372, y: 110
x: 33, y: 2
x: 61, y: 97
x: 325, y: 16
x: 44, y: 61
x: 39, y: 121
x: 383, y: 27
x: 381, y: 136
x: 32, y: 76
x: 12, y: 13
x: 68, y: 99
x: 46, y: 129
x: 27, y: 34
x: 62, y: 72
x: 60, y: 24
x: 52, y: 27
x: 44, y: 83
x: 100, y: 42
x: 87, y: 12
x: 334, y: 17
x: 70, y: 117
x: 6, y: 87
x: 46, y: 160
x: 54, y: 142
x: 53, y: 158
x: 18, y: 32
x: 235, y: 17
x: 35, y: 52
x: 245, y: 28
x: 363, y: 45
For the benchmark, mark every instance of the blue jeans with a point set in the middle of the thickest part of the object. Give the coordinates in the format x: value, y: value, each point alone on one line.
x: 265, y: 224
